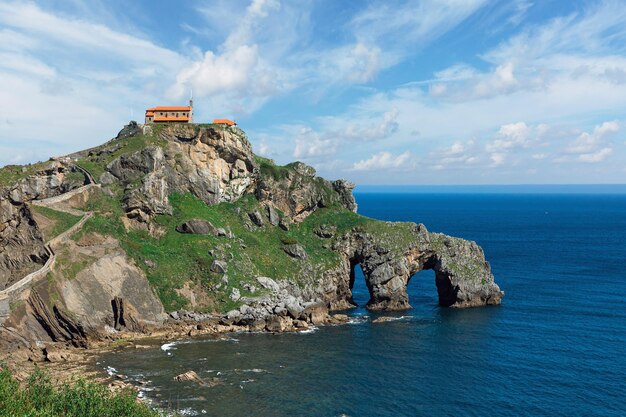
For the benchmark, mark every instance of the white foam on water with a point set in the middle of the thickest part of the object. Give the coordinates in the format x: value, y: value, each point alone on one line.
x: 255, y: 370
x: 111, y: 370
x: 358, y: 319
x: 310, y: 330
x: 168, y: 346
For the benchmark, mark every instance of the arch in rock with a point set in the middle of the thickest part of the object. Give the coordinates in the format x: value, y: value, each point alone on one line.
x: 462, y: 276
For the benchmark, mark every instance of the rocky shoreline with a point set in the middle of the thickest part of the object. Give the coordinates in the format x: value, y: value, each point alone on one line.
x: 179, y: 231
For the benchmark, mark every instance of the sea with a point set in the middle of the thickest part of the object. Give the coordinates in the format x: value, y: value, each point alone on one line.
x: 555, y: 347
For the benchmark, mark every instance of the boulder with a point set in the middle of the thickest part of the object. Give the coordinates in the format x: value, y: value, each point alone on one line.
x: 325, y: 231
x: 268, y: 283
x: 295, y: 250
x: 278, y: 324
x: 273, y: 216
x: 199, y: 227
x: 219, y: 267
x: 256, y: 218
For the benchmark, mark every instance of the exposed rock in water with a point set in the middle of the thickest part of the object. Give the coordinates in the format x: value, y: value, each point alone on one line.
x: 194, y: 377
x: 200, y: 227
x: 96, y: 289
x: 463, y: 277
x: 384, y: 319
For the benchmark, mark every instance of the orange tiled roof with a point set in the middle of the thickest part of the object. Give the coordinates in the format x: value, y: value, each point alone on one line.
x: 224, y: 122
x: 171, y: 119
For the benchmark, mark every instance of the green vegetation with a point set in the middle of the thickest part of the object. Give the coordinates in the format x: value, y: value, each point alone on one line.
x: 269, y: 168
x: 96, y: 164
x: 39, y: 397
x: 10, y: 174
x: 61, y: 221
x: 174, y: 259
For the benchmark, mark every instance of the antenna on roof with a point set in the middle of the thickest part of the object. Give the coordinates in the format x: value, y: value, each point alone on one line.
x: 191, y: 97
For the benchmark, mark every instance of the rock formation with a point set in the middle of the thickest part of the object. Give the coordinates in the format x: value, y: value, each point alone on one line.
x: 188, y: 219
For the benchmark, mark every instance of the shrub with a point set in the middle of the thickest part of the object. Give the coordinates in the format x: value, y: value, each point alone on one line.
x: 39, y: 397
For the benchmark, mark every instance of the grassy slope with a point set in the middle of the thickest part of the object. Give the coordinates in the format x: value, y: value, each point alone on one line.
x: 60, y: 221
x: 97, y: 164
x: 11, y: 174
x: 39, y: 397
x: 176, y: 258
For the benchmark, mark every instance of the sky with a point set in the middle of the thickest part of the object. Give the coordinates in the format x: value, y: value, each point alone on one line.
x: 393, y: 92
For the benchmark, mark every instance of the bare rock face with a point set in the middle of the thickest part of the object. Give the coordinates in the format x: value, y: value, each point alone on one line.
x: 463, y: 277
x: 214, y: 165
x: 48, y: 180
x: 298, y: 192
x: 21, y: 243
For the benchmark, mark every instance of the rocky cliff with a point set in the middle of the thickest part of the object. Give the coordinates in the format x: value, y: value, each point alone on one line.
x: 187, y: 220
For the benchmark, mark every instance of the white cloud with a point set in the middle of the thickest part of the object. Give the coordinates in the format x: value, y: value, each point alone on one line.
x: 358, y: 63
x: 309, y: 144
x: 361, y: 131
x: 497, y: 158
x: 384, y: 161
x: 510, y: 136
x: 238, y: 72
x: 587, y: 143
x: 597, y: 156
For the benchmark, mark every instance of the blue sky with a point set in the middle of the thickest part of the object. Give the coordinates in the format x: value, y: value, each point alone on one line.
x: 393, y: 92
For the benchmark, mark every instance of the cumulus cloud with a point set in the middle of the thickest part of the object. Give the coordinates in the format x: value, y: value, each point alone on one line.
x: 359, y: 131
x: 588, y: 142
x: 309, y: 144
x: 359, y: 63
x: 238, y: 72
x: 598, y: 156
x: 457, y: 155
x: 384, y: 161
x: 510, y: 136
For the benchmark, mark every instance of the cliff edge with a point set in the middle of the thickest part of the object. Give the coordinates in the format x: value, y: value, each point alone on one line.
x: 172, y: 222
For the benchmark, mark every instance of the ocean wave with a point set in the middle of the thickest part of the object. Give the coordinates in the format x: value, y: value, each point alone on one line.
x: 311, y: 329
x: 359, y: 319
x: 168, y: 346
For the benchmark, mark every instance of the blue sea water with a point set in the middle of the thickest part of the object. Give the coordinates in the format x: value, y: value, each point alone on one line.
x: 556, y: 346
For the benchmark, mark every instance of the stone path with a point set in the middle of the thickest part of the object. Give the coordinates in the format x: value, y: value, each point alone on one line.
x: 53, y: 203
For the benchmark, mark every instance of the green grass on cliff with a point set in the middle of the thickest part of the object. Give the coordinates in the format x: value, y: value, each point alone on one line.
x: 174, y: 259
x: 39, y: 397
x: 11, y: 174
x: 96, y: 164
x: 61, y: 221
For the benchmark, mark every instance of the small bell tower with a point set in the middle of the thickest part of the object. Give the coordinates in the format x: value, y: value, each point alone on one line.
x: 191, y: 106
